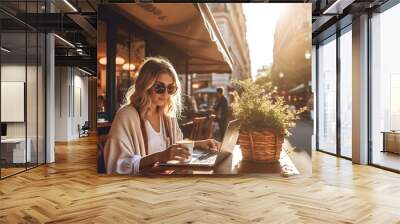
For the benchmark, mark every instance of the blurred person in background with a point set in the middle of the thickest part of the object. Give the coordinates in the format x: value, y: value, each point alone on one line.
x: 221, y: 111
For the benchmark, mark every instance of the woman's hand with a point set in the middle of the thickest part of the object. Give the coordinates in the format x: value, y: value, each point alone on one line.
x: 174, y: 152
x: 208, y: 144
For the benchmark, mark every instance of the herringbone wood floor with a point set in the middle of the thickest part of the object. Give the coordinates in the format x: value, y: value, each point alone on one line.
x: 71, y: 191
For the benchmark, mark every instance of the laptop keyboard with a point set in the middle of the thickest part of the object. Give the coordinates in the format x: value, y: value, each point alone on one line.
x: 206, y: 155
x: 202, y: 157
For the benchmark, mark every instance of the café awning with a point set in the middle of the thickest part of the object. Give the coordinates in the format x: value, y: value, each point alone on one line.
x: 190, y: 27
x: 301, y: 88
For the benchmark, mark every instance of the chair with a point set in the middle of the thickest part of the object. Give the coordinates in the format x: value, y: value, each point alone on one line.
x: 101, y: 141
x: 198, y: 123
x: 84, y: 130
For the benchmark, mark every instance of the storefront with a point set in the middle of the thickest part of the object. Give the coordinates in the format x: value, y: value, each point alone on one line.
x: 185, y: 34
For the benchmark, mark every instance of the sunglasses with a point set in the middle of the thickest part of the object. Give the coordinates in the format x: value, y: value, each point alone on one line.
x: 160, y: 88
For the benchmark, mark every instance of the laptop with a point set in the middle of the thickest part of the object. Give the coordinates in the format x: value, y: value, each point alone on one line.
x: 209, y: 159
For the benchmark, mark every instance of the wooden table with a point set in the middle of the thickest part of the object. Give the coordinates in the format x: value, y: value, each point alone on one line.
x: 103, y: 127
x: 391, y: 141
x: 231, y: 165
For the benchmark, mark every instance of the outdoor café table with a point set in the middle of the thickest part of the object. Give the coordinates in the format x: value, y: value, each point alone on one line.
x: 231, y: 165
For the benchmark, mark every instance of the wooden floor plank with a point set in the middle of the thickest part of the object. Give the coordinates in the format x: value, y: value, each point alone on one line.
x: 70, y: 191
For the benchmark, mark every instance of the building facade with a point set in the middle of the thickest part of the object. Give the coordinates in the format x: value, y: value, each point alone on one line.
x: 265, y: 70
x: 292, y: 48
x: 231, y: 22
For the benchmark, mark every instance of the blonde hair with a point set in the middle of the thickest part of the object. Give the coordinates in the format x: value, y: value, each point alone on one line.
x: 138, y: 94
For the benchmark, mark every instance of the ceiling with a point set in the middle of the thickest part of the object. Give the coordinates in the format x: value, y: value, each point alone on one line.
x: 79, y: 27
x: 328, y: 15
x: 74, y: 21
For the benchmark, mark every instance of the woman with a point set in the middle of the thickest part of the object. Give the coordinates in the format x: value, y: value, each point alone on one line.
x: 145, y: 130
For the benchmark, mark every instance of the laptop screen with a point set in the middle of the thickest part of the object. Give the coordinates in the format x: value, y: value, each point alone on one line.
x: 231, y: 136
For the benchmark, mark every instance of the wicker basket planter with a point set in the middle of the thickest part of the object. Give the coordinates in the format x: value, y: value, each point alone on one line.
x: 262, y: 147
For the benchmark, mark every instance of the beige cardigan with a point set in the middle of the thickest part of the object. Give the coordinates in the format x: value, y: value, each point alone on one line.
x: 125, y: 140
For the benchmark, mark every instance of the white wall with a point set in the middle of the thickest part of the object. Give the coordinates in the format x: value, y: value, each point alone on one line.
x: 16, y: 73
x: 61, y: 103
x: 71, y: 93
x: 80, y: 100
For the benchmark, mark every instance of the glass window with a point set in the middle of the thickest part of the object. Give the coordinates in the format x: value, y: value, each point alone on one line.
x: 14, y: 153
x: 121, y: 61
x: 130, y: 54
x: 385, y: 87
x: 22, y: 90
x: 101, y: 68
x: 346, y: 94
x: 327, y: 96
x: 136, y: 56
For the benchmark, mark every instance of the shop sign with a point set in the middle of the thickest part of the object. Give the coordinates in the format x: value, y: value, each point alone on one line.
x: 220, y: 79
x: 151, y: 8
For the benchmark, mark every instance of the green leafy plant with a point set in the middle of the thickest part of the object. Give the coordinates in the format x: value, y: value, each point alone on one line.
x: 258, y: 108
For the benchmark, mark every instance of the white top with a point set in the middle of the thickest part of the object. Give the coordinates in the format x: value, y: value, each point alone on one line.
x: 156, y: 140
x: 156, y: 143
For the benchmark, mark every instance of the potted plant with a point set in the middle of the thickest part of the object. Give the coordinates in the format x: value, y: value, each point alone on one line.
x: 265, y: 120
